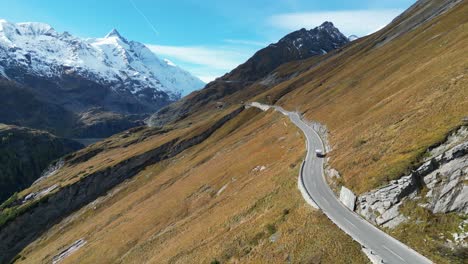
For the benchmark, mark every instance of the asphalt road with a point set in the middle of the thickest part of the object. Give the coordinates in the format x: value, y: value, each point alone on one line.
x: 386, y: 247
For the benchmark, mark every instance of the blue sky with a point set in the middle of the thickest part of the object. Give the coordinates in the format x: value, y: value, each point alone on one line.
x: 206, y: 37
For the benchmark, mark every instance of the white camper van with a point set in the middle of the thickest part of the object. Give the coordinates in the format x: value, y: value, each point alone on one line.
x: 320, y: 153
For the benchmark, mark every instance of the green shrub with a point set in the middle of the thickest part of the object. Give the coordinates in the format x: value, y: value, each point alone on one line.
x: 271, y: 228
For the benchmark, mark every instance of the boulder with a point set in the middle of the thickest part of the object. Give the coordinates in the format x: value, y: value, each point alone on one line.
x: 348, y: 198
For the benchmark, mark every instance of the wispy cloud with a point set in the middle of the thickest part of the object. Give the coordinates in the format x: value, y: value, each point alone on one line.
x: 208, y: 56
x: 246, y: 42
x: 359, y: 22
x: 206, y: 62
x: 210, y: 61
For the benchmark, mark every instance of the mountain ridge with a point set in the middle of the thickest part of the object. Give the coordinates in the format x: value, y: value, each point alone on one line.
x: 125, y: 68
x: 298, y: 45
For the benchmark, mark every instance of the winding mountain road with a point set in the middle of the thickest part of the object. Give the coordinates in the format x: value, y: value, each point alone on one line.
x: 376, y: 241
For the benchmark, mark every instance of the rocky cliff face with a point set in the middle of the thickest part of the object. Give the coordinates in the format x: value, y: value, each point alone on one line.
x: 443, y: 176
x: 25, y: 153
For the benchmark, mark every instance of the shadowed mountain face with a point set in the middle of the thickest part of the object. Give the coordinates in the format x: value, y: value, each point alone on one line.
x: 25, y: 153
x: 301, y: 44
x: 22, y: 107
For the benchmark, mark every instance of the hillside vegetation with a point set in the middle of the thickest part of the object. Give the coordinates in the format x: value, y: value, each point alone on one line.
x: 208, y: 203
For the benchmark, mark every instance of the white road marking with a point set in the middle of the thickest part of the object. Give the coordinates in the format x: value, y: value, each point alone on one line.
x: 350, y: 223
x: 391, y: 251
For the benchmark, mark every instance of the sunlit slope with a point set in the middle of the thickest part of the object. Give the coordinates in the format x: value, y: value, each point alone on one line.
x: 233, y: 198
x: 384, y: 102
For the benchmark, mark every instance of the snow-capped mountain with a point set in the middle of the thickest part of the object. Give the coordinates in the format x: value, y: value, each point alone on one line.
x: 124, y: 66
x: 353, y: 37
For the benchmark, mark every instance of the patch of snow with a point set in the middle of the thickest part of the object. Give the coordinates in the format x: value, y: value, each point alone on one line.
x: 461, y: 238
x: 170, y: 63
x: 353, y: 38
x: 2, y: 72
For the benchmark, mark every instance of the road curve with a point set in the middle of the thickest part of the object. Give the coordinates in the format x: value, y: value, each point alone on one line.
x: 378, y: 242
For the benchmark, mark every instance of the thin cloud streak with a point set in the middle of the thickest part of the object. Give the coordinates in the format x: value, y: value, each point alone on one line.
x: 145, y: 17
x: 358, y: 22
x: 246, y: 42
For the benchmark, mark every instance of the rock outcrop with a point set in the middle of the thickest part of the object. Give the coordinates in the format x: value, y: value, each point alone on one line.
x: 444, y: 174
x: 448, y: 191
x: 348, y: 198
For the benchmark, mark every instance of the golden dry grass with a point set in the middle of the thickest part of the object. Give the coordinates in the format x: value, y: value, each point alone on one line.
x: 175, y: 211
x: 428, y: 233
x: 123, y: 146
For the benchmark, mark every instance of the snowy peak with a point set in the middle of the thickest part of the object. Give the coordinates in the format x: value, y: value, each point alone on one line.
x: 36, y: 29
x: 123, y: 65
x: 327, y: 25
x: 353, y: 37
x: 114, y: 33
x: 10, y: 31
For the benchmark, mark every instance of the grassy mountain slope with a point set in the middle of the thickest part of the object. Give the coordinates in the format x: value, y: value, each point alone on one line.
x: 385, y: 104
x: 207, y: 203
